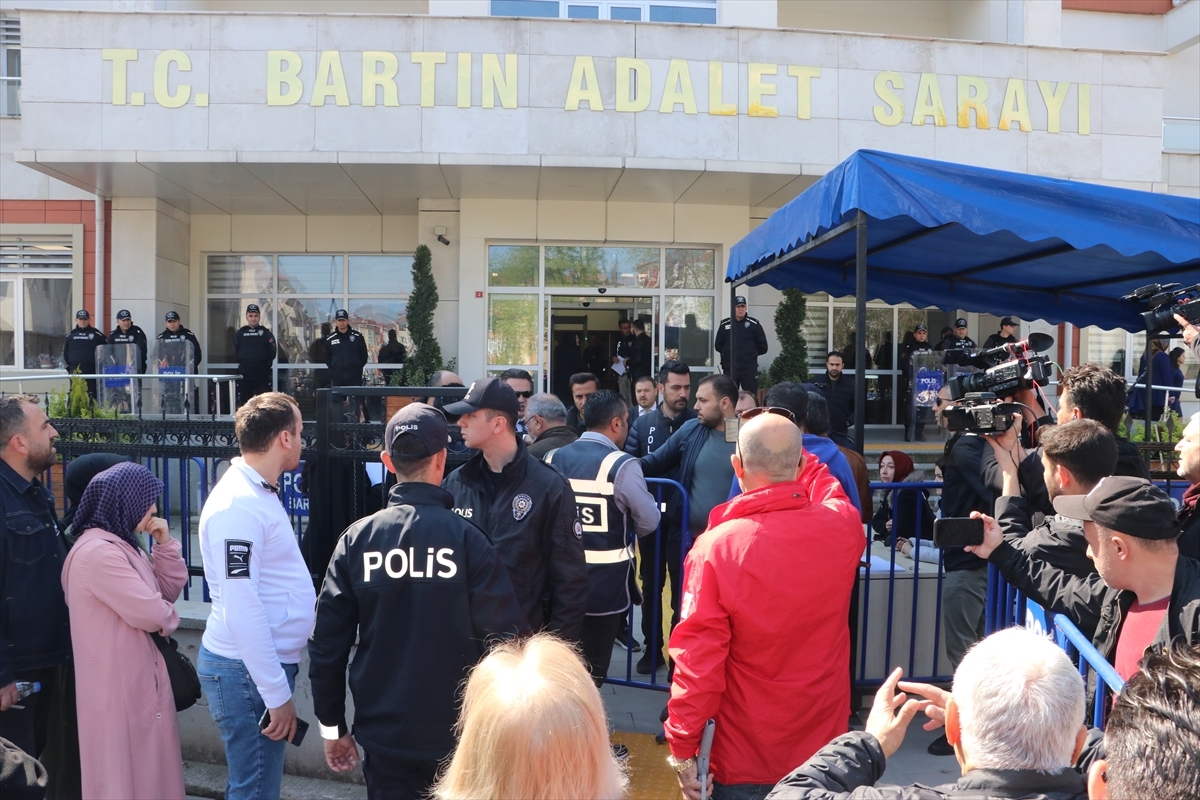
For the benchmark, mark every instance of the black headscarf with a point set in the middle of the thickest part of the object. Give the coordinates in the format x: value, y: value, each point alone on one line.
x: 117, y: 499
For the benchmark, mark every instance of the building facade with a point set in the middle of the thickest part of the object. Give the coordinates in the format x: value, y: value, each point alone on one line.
x: 570, y: 164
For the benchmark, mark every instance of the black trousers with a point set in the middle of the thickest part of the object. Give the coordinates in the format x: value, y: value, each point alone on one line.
x: 47, y: 729
x: 255, y: 381
x: 397, y: 778
x: 669, y: 559
x: 747, y: 381
x: 597, y: 639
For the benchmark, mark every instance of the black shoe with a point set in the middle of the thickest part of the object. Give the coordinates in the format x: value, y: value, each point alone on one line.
x: 630, y: 644
x: 620, y: 752
x: 940, y: 747
x: 643, y: 665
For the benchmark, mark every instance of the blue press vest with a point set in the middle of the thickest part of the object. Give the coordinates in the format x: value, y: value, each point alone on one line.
x: 607, y: 533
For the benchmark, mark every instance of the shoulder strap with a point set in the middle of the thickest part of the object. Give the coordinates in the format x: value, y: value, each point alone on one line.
x: 550, y: 455
x: 610, y: 465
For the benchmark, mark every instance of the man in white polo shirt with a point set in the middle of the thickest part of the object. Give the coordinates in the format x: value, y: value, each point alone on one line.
x: 263, y: 600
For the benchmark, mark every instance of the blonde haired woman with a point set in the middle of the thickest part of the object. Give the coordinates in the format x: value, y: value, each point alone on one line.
x: 532, y: 726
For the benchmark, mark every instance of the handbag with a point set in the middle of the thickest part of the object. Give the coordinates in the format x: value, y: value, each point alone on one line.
x: 185, y: 683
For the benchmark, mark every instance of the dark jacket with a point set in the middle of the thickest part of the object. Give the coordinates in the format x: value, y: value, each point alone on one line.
x: 1058, y: 540
x: 964, y: 491
x: 848, y: 767
x: 751, y: 343
x: 904, y: 520
x: 552, y: 439
x: 995, y: 340
x: 254, y: 348
x: 183, y: 334
x: 346, y: 355
x: 1129, y: 460
x: 677, y: 460
x: 79, y: 349
x: 575, y: 421
x: 1189, y: 523
x: 423, y: 591
x: 642, y: 357
x: 648, y: 432
x: 839, y: 396
x: 532, y: 522
x: 34, y: 629
x: 134, y: 335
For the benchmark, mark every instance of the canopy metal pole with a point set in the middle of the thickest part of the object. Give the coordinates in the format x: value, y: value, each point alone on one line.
x: 1149, y: 390
x: 733, y: 332
x: 860, y: 331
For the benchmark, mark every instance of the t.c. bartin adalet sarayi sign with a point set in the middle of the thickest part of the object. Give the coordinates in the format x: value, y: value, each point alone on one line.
x: 720, y: 88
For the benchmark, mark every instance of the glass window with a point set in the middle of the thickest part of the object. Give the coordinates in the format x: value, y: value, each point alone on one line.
x: 625, y: 14
x: 302, y: 326
x: 690, y: 269
x: 629, y: 267
x: 310, y: 274
x: 374, y: 318
x: 703, y: 16
x: 8, y: 324
x: 879, y: 332
x: 48, y: 314
x: 302, y: 384
x: 583, y: 12
x: 381, y: 274
x: 240, y: 274
x: 1106, y: 348
x: 10, y: 67
x: 512, y: 329
x: 816, y: 334
x: 524, y: 8
x: 687, y: 331
x: 510, y: 265
x: 225, y: 316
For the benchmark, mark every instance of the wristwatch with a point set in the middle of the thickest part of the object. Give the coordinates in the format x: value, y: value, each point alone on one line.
x: 680, y: 766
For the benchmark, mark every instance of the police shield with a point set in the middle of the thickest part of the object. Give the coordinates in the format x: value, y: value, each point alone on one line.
x: 173, y: 395
x: 928, y: 372
x: 117, y: 393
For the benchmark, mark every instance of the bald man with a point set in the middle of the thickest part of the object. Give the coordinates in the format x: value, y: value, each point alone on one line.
x: 740, y: 645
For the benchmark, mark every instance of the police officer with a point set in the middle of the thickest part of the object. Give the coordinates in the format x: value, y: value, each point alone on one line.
x: 957, y: 342
x: 526, y: 509
x: 751, y: 343
x: 254, y: 348
x: 917, y: 416
x: 172, y: 356
x: 346, y: 353
x: 79, y: 349
x: 614, y: 504
x: 414, y: 578
x: 128, y: 333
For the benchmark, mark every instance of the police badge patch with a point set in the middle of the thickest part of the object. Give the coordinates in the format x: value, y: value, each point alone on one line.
x: 578, y: 529
x: 522, y: 505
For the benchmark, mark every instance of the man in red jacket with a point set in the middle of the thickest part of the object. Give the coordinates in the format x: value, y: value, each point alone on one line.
x: 762, y: 645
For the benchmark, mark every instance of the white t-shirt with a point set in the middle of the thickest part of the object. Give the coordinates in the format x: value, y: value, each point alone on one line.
x: 263, y: 601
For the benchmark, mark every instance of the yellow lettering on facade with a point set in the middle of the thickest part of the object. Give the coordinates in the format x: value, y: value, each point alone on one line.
x: 331, y: 80
x: 884, y: 84
x: 1054, y: 102
x: 716, y: 80
x: 1085, y: 109
x: 1015, y: 107
x: 968, y: 102
x: 929, y: 101
x: 678, y: 90
x: 758, y: 89
x: 428, y: 62
x: 497, y: 83
x: 804, y: 76
x: 120, y: 58
x: 584, y: 87
x: 464, y: 80
x: 283, y: 68
x: 374, y: 78
x: 162, y: 79
x: 633, y: 85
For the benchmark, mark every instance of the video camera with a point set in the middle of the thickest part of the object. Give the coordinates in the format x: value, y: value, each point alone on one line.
x: 1008, y: 368
x: 1164, y: 302
x: 980, y: 412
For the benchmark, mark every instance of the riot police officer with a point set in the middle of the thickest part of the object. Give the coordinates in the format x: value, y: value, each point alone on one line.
x: 254, y: 348
x: 172, y: 357
x: 751, y: 343
x: 913, y: 417
x: 128, y: 333
x: 79, y: 349
x: 346, y: 352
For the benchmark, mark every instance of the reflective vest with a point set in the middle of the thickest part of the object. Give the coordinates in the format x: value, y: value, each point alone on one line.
x: 607, y: 533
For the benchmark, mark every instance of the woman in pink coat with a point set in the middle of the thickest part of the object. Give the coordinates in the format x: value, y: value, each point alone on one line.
x: 128, y: 733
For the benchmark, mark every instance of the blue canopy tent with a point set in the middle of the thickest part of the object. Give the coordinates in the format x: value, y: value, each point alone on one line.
x: 931, y: 233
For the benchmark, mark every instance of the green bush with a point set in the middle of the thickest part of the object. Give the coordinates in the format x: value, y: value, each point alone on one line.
x: 426, y: 357
x: 792, y: 362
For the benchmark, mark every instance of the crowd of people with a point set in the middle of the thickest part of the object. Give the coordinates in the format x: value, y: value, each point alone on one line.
x: 473, y: 618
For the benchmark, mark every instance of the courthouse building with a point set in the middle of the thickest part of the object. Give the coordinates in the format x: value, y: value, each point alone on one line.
x: 570, y: 163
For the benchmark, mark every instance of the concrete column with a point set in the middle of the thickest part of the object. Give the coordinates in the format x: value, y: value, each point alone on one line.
x: 150, y: 256
x: 747, y: 13
x: 432, y: 215
x: 1042, y: 22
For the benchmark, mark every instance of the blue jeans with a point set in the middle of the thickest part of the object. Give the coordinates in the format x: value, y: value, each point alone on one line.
x: 255, y: 762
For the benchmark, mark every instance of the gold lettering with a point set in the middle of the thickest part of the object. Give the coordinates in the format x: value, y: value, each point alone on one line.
x: 884, y: 83
x: 464, y: 80
x: 678, y: 90
x: 967, y: 102
x: 373, y: 78
x: 631, y: 97
x: 804, y: 76
x: 929, y: 101
x: 584, y: 87
x: 1085, y: 109
x: 331, y: 81
x: 716, y: 104
x: 162, y: 79
x: 499, y: 83
x: 758, y: 89
x: 1054, y: 102
x: 428, y: 62
x: 120, y: 58
x: 278, y: 74
x: 1015, y: 107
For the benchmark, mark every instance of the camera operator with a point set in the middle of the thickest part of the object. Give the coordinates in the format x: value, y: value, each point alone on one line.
x: 1191, y: 337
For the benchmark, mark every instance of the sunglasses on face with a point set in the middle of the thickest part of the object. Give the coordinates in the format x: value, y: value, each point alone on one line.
x: 751, y: 413
x: 526, y: 395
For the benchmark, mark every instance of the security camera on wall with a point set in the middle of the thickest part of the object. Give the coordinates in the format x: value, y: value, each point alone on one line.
x: 602, y: 290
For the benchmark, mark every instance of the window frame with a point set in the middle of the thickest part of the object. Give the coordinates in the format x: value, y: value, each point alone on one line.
x: 11, y: 231
x: 605, y: 7
x: 10, y: 43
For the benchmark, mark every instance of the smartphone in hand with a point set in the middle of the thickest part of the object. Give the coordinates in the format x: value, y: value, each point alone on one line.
x: 297, y: 737
x: 957, y: 532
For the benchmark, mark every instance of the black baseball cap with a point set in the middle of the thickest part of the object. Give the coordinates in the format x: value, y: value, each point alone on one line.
x: 172, y: 316
x: 1132, y: 506
x: 960, y: 323
x: 739, y: 300
x: 416, y: 431
x: 253, y: 309
x: 124, y: 314
x: 921, y: 327
x: 1008, y: 321
x: 82, y: 314
x: 490, y: 393
x: 341, y: 314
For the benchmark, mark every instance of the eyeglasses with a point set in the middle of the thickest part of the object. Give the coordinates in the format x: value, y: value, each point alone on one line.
x: 751, y: 413
x: 526, y: 395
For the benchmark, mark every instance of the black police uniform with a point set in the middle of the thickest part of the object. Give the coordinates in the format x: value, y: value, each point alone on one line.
x: 995, y: 340
x: 751, y: 343
x: 346, y: 355
x: 254, y: 349
x: 134, y: 335
x: 528, y: 513
x: 173, y: 391
x: 917, y: 417
x: 839, y: 396
x: 423, y: 591
x: 79, y: 351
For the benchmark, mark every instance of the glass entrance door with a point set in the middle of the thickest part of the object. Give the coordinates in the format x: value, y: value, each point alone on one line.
x: 582, y: 336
